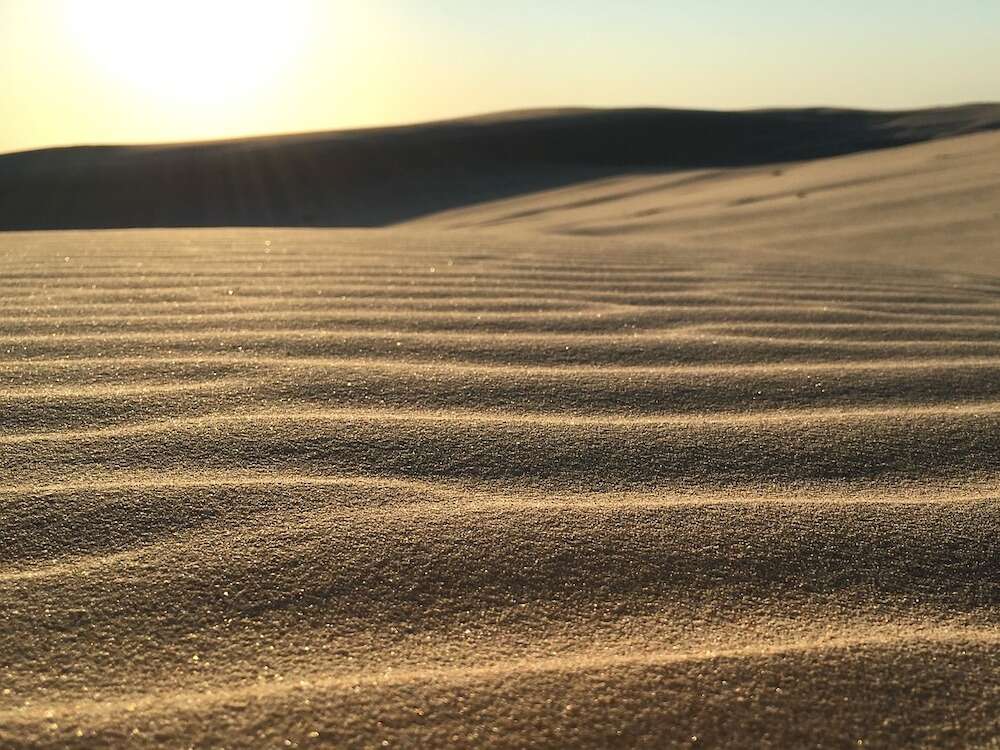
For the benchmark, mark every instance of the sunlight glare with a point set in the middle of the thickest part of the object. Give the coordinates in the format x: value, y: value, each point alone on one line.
x: 190, y: 51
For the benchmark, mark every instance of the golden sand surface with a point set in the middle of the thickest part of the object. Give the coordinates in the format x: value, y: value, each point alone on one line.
x: 681, y: 460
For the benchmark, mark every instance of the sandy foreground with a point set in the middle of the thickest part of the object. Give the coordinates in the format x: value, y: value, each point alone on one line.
x: 705, y: 459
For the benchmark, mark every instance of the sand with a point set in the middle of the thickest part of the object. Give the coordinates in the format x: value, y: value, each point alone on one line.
x: 382, y: 176
x: 705, y: 459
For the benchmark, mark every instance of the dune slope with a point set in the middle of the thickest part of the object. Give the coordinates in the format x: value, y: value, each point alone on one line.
x: 503, y: 487
x: 382, y: 176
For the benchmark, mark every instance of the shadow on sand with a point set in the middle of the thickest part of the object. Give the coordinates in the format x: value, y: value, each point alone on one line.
x: 383, y: 176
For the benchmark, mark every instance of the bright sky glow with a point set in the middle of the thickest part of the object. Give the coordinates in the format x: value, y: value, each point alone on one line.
x: 191, y: 52
x: 127, y: 71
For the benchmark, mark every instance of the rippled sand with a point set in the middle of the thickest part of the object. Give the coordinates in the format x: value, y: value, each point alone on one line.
x: 528, y: 483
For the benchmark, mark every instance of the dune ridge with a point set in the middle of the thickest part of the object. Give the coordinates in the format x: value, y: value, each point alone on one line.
x: 383, y: 176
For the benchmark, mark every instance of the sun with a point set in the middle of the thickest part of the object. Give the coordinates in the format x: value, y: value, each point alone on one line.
x: 190, y: 51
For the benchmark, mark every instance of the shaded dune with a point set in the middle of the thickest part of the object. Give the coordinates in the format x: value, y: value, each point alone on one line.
x: 382, y: 176
x: 340, y: 488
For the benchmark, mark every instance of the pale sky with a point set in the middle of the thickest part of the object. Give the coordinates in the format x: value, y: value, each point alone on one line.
x: 130, y: 71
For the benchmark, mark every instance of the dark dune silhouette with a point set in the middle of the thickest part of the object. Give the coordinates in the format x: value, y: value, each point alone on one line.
x: 381, y: 176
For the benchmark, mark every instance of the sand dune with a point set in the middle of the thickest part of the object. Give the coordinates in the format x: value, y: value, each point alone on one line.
x: 383, y: 176
x: 639, y: 461
x: 935, y: 204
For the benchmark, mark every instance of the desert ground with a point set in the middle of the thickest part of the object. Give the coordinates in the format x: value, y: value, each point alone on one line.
x: 703, y: 457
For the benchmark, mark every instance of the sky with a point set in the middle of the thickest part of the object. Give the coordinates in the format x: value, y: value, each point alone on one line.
x: 133, y: 71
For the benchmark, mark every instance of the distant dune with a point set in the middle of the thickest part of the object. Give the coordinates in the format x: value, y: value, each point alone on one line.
x: 706, y: 456
x: 383, y: 176
x: 935, y: 204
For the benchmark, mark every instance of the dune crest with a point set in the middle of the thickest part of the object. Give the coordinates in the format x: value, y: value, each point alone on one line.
x: 383, y: 176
